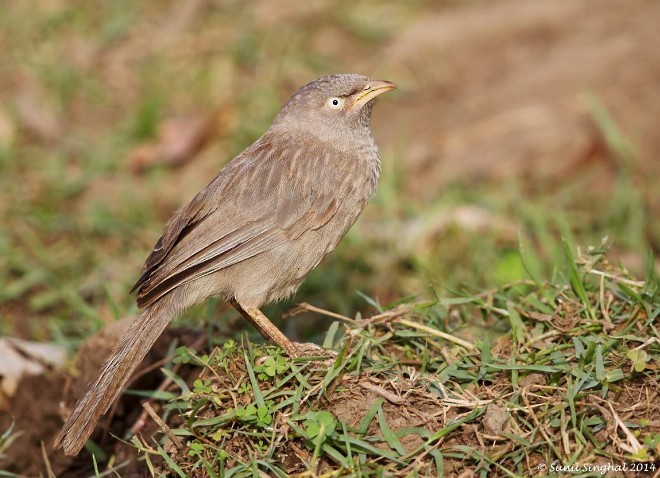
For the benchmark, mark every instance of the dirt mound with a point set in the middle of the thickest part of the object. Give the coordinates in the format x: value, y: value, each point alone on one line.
x: 38, y: 405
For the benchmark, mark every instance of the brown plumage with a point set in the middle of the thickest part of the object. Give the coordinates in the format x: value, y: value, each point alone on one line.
x: 252, y: 235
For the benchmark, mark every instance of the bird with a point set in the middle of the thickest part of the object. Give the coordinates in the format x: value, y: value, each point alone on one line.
x: 255, y: 231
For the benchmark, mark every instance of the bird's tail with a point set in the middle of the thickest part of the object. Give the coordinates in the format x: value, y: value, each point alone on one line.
x: 115, y: 373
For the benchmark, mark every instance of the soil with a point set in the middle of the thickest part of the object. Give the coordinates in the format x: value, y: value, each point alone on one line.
x: 40, y: 403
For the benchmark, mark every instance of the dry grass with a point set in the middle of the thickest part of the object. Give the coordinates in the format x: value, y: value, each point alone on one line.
x: 565, y: 374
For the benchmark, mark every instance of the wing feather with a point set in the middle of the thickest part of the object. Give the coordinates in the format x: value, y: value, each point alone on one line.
x: 256, y: 203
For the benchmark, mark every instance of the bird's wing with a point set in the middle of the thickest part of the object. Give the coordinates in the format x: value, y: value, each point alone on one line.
x: 256, y: 203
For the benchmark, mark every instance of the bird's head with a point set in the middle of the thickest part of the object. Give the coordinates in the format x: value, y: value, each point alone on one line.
x: 334, y: 104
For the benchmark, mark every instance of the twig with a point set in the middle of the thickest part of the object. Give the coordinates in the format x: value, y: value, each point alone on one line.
x: 304, y: 306
x: 632, y: 283
x: 539, y: 427
x: 389, y: 396
x: 647, y: 343
x: 604, y: 307
x: 539, y: 338
x: 163, y: 426
x: 438, y: 333
x: 635, y: 446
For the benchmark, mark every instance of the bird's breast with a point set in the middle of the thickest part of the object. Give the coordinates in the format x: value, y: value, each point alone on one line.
x: 350, y: 183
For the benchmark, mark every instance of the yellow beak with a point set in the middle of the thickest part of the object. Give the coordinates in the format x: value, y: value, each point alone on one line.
x: 371, y: 90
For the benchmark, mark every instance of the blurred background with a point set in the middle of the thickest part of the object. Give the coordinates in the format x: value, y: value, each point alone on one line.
x: 515, y: 123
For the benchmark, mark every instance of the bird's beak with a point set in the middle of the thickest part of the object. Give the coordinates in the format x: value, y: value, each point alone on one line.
x: 371, y: 90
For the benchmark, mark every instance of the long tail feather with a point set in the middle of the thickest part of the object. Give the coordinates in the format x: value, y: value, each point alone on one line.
x: 115, y: 373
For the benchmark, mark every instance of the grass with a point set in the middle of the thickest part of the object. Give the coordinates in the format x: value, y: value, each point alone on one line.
x: 552, y: 380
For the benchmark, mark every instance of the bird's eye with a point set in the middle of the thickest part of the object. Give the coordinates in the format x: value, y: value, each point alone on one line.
x: 335, y: 103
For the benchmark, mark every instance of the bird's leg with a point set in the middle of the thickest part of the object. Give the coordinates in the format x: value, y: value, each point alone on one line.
x: 266, y: 328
